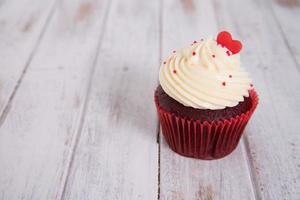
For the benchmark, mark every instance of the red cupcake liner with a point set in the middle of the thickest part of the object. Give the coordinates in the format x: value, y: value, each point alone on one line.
x: 203, y: 139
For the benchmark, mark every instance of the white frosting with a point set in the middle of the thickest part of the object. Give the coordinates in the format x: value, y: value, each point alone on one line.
x: 204, y: 76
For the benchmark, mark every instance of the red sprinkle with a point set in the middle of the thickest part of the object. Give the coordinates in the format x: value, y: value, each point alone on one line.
x: 230, y: 76
x: 174, y: 71
x: 224, y: 83
x: 174, y: 51
x: 194, y: 53
x: 213, y: 56
x: 228, y: 53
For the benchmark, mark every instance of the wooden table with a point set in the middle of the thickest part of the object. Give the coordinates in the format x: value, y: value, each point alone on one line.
x: 76, y: 100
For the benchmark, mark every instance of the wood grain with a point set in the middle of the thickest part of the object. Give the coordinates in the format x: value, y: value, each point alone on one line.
x: 289, y: 3
x: 77, y: 118
x: 39, y: 133
x: 117, y: 153
x: 287, y: 15
x: 273, y: 133
x: 186, y: 178
x: 22, y: 25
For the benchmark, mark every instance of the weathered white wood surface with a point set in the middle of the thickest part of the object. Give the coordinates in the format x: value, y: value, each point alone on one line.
x: 186, y: 178
x: 40, y: 131
x: 22, y: 24
x: 117, y: 153
x: 287, y: 16
x: 272, y: 136
x: 76, y: 100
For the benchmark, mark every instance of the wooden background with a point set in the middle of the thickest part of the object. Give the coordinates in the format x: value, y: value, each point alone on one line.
x: 77, y: 118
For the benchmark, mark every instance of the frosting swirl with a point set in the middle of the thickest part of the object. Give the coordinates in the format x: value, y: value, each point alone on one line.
x: 205, y: 75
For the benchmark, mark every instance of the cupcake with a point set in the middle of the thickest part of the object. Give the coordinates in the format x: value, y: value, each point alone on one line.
x: 205, y: 98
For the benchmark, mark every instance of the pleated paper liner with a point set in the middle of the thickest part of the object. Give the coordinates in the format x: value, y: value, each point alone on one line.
x: 202, y: 139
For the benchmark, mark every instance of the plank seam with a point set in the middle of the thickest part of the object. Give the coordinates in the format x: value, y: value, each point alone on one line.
x: 7, y: 107
x: 158, y: 123
x: 85, y: 104
x: 160, y: 31
x: 251, y: 168
x: 158, y: 163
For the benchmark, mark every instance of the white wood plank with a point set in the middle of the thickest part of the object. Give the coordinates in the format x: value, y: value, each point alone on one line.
x: 22, y: 24
x: 287, y: 16
x: 273, y: 134
x: 117, y: 153
x: 39, y: 133
x: 186, y: 178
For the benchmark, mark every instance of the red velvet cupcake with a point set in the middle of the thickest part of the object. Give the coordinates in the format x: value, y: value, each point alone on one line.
x: 205, y: 98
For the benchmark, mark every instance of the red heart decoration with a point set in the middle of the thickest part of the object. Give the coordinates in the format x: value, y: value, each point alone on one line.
x: 224, y: 38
